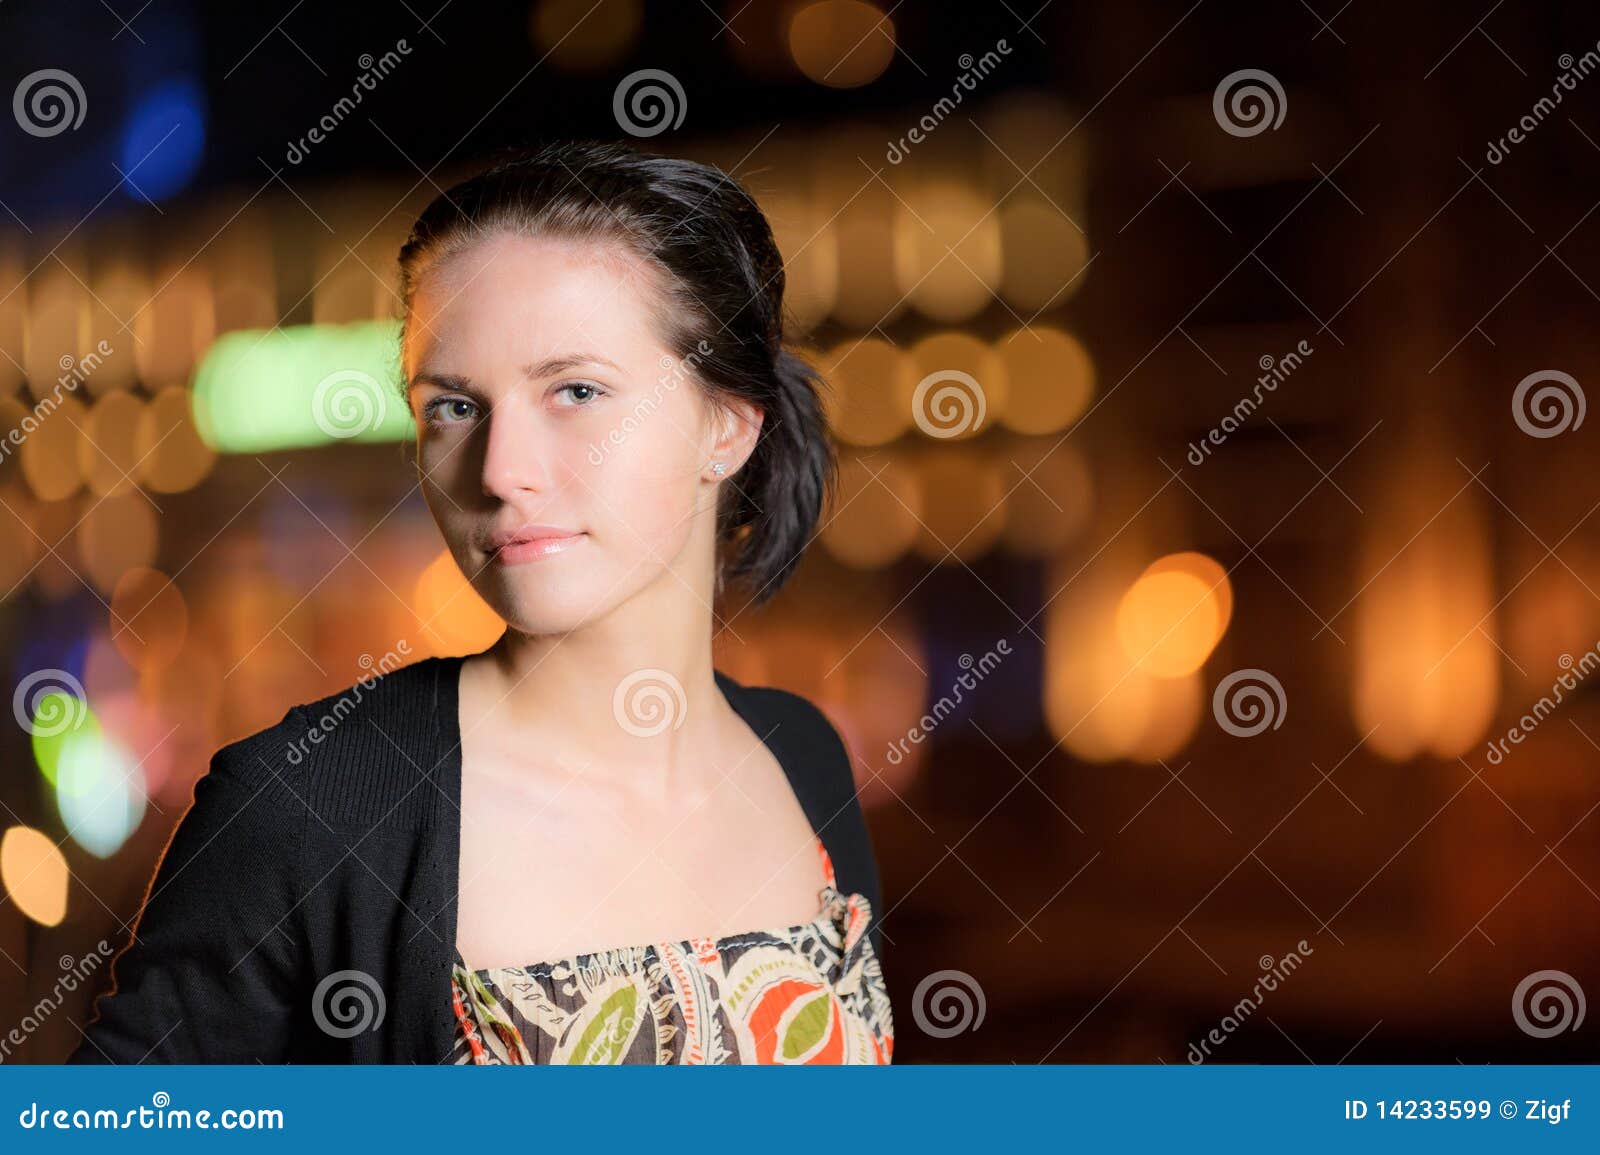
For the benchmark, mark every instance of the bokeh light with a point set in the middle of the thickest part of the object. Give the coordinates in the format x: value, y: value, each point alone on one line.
x: 100, y: 791
x: 168, y: 448
x: 871, y: 384
x: 963, y: 511
x: 108, y: 452
x: 301, y: 386
x: 1049, y: 377
x: 877, y: 507
x: 947, y: 250
x: 149, y: 618
x: 35, y: 874
x: 163, y: 140
x: 1168, y: 622
x: 115, y: 535
x: 453, y: 618
x: 842, y: 43
x: 585, y: 35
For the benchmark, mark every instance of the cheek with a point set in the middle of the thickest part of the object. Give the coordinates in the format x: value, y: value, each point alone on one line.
x: 645, y: 492
x: 440, y: 458
x: 441, y: 474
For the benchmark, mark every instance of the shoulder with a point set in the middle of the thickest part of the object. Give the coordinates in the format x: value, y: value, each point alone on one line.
x: 792, y: 713
x: 822, y: 773
x: 798, y: 729
x: 390, y: 699
x: 377, y: 733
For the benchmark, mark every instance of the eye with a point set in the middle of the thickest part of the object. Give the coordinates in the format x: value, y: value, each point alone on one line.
x: 450, y: 407
x: 583, y: 392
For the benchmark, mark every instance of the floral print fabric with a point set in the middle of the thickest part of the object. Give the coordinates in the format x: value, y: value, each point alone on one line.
x: 812, y: 993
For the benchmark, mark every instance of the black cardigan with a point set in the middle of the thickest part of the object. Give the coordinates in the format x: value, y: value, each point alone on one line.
x: 304, y: 861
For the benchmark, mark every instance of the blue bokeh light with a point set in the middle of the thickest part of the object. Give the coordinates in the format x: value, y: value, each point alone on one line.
x: 163, y: 140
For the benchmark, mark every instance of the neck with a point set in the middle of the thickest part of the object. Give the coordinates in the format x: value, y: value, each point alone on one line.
x: 631, y: 693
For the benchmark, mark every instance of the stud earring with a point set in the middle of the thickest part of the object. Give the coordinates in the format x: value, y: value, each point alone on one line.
x: 718, y: 468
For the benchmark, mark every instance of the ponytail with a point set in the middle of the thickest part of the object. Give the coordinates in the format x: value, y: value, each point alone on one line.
x: 771, y: 508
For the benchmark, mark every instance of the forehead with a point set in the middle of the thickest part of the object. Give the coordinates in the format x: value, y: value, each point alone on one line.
x: 509, y: 296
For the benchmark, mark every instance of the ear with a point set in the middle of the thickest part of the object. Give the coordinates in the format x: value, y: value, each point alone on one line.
x: 738, y: 426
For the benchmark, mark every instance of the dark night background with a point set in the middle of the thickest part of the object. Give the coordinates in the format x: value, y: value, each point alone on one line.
x: 1405, y: 547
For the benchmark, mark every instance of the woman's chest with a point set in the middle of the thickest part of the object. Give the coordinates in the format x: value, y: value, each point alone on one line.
x: 551, y: 867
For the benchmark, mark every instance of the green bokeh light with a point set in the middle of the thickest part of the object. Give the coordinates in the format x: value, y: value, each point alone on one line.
x: 57, y: 717
x: 301, y: 386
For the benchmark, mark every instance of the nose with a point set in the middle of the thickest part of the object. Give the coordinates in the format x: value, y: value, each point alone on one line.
x: 516, y: 459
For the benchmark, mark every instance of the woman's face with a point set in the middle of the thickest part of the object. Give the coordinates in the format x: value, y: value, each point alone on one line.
x: 543, y: 398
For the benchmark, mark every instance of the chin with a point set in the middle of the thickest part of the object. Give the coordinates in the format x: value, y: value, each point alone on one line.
x: 532, y: 611
x: 533, y: 605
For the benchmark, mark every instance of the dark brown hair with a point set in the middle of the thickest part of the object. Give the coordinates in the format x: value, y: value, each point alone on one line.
x: 721, y: 288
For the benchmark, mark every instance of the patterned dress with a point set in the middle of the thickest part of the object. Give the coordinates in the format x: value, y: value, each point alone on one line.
x: 812, y: 993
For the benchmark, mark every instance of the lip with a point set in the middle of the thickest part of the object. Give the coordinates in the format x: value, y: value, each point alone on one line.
x: 531, y: 543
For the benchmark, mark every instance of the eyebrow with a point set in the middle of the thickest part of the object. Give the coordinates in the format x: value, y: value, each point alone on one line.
x: 448, y: 381
x: 549, y: 367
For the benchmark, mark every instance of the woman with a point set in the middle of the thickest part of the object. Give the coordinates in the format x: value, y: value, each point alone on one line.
x: 583, y: 844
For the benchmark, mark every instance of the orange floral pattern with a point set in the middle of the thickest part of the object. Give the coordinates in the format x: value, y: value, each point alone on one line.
x: 812, y: 993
